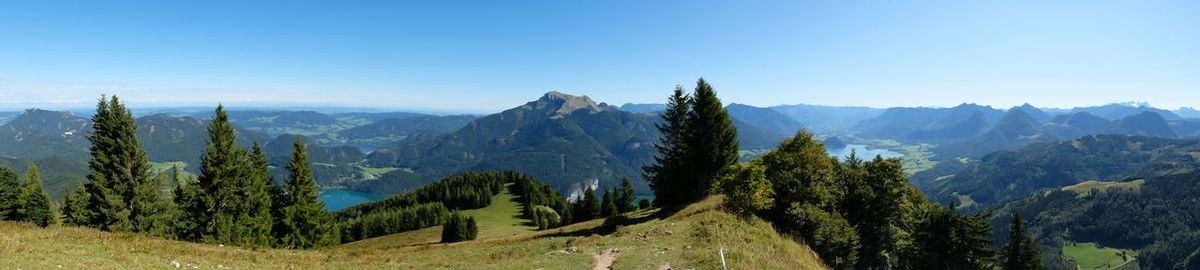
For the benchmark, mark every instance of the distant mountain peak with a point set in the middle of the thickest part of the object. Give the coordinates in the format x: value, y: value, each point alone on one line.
x: 563, y: 103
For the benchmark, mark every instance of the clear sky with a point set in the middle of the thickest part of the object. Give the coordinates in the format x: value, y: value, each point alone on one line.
x: 489, y: 55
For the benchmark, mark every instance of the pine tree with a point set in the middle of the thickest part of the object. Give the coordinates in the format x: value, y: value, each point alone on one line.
x: 35, y: 202
x: 1020, y: 253
x: 609, y: 206
x: 105, y: 189
x: 10, y: 190
x: 458, y: 228
x: 669, y: 168
x: 255, y: 222
x: 625, y: 203
x: 122, y: 193
x: 472, y: 230
x: 75, y: 209
x: 307, y: 223
x: 221, y: 189
x: 712, y: 143
x: 944, y: 239
x: 589, y: 206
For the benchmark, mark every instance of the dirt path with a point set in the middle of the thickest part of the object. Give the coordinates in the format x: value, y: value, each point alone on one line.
x: 605, y: 260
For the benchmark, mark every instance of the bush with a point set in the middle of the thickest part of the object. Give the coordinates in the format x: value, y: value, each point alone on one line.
x: 746, y: 188
x: 644, y: 204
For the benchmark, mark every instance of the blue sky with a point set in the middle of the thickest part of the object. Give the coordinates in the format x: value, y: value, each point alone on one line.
x: 479, y: 56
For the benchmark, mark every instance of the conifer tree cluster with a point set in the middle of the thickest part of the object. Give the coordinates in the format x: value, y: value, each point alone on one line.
x: 431, y: 204
x: 120, y: 194
x: 25, y: 202
x: 698, y: 142
x: 459, y: 228
x: 613, y: 203
x: 232, y: 202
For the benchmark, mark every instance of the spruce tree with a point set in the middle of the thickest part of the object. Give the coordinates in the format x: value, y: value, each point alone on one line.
x: 625, y: 203
x: 35, y: 202
x: 75, y: 209
x: 255, y: 221
x: 590, y: 205
x: 122, y: 193
x: 472, y: 229
x: 1020, y: 253
x: 669, y: 167
x: 10, y: 190
x: 712, y: 143
x: 221, y: 189
x: 105, y: 189
x: 308, y: 225
x: 608, y: 206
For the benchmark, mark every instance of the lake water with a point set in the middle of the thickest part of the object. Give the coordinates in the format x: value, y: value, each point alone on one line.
x: 863, y: 152
x: 337, y: 199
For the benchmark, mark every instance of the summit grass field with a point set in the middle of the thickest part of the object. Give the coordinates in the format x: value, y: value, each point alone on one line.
x: 690, y: 238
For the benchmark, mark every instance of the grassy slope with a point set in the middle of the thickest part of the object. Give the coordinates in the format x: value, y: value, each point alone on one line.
x: 1089, y: 256
x: 687, y: 239
x: 1086, y: 186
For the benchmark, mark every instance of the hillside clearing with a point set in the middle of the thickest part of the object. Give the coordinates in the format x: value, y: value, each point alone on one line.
x: 1089, y: 256
x: 1084, y: 187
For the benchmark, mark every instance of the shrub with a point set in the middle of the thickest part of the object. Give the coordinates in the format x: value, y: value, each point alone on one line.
x: 746, y: 188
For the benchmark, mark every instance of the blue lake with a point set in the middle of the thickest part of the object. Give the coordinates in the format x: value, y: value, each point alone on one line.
x: 864, y: 152
x: 337, y: 199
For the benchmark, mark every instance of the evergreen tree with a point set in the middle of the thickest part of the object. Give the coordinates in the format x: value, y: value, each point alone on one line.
x: 308, y: 225
x: 472, y: 230
x: 1020, y: 253
x: 226, y: 205
x: 712, y: 143
x: 75, y: 209
x: 10, y: 190
x: 944, y: 239
x: 34, y: 201
x: 192, y: 209
x: 626, y: 195
x: 122, y: 193
x: 105, y: 188
x: 255, y: 222
x: 589, y: 206
x: 279, y: 201
x: 608, y: 207
x: 669, y: 167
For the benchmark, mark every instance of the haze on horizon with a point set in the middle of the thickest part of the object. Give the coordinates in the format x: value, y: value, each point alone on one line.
x: 487, y: 56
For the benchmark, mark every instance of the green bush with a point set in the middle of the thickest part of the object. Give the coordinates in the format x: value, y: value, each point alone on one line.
x: 746, y: 188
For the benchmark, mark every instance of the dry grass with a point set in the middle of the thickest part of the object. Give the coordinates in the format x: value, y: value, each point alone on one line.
x: 690, y: 238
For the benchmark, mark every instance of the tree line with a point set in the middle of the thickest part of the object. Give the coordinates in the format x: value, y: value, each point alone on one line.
x: 234, y: 201
x: 855, y: 214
